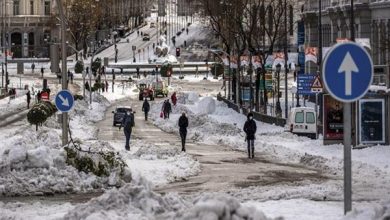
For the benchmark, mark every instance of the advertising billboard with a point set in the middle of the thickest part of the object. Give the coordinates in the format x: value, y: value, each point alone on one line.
x: 333, y: 118
x: 372, y: 121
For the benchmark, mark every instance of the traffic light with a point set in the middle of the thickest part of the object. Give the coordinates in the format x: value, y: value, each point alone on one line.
x: 178, y: 51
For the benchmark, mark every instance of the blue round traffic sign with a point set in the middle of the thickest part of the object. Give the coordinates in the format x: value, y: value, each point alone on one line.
x: 347, y: 72
x: 64, y: 100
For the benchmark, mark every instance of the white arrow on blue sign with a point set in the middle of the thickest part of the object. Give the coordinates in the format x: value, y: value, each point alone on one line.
x: 347, y: 72
x: 64, y: 101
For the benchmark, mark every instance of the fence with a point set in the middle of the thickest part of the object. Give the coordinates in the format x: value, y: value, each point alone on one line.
x: 256, y: 115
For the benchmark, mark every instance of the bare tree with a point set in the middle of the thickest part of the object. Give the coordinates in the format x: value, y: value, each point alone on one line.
x: 83, y: 17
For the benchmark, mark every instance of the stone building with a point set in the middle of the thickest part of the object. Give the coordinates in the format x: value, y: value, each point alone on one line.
x: 372, y: 24
x: 28, y: 27
x: 25, y: 24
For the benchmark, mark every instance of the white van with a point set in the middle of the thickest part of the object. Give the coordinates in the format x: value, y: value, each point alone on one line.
x: 303, y: 121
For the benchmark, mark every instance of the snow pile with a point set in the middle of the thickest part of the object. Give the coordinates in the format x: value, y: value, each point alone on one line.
x: 207, y: 105
x: 129, y: 202
x: 221, y: 207
x: 159, y: 165
x: 34, y: 163
x: 138, y: 201
x: 192, y: 97
x: 202, y: 127
x: 377, y: 212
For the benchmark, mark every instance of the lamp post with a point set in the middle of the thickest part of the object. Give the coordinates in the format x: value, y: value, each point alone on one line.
x: 278, y: 107
x: 64, y: 72
x: 285, y: 61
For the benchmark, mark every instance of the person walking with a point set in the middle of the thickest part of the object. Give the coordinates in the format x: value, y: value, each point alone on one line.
x: 127, y: 124
x: 146, y: 108
x: 42, y: 71
x: 250, y: 130
x: 167, y: 109
x: 183, y: 124
x: 28, y: 96
x: 174, y: 99
x: 32, y: 67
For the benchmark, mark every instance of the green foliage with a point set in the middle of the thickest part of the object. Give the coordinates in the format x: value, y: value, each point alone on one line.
x: 166, y: 70
x: 98, y: 163
x: 217, y: 69
x: 97, y: 64
x: 78, y: 97
x: 97, y: 86
x: 40, y: 112
x: 79, y: 67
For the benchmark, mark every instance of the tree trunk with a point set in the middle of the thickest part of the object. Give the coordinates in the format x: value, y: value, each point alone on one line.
x: 77, y: 53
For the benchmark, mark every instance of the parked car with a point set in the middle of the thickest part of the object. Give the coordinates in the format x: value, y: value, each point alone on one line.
x: 303, y: 121
x: 119, y: 113
x: 146, y: 37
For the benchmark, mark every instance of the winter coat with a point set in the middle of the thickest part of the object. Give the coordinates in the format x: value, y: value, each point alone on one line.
x: 167, y: 107
x: 28, y: 96
x: 174, y: 98
x: 128, y: 122
x: 250, y: 129
x: 145, y: 106
x: 183, y: 123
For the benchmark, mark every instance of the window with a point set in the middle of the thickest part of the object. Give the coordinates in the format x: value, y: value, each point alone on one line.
x: 47, y: 7
x: 16, y: 7
x: 31, y: 7
x: 299, y: 117
x: 310, y: 118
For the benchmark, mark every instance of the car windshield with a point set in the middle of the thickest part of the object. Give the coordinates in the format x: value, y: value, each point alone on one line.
x: 122, y: 110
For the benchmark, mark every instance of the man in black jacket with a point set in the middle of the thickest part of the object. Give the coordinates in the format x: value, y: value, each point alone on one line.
x: 128, y: 124
x: 146, y: 108
x: 250, y: 130
x: 183, y: 124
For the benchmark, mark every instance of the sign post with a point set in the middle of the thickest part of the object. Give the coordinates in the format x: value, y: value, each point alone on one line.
x: 347, y: 74
x: 64, y: 101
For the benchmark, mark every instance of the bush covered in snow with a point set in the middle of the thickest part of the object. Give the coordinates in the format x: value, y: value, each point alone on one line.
x: 40, y: 112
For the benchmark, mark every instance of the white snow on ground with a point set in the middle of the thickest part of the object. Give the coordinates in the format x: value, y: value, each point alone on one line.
x: 35, y: 211
x: 224, y: 126
x: 33, y: 162
x: 139, y: 202
x: 159, y: 165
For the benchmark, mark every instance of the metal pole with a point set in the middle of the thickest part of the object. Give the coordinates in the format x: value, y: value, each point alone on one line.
x: 90, y: 81
x: 83, y: 84
x: 64, y: 72
x: 285, y: 62
x: 348, y: 138
x: 347, y: 159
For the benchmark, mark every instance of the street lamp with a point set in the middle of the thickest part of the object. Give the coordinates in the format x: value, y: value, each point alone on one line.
x: 278, y: 107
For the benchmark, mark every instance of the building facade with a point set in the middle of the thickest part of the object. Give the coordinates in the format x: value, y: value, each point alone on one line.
x: 372, y: 25
x: 26, y: 26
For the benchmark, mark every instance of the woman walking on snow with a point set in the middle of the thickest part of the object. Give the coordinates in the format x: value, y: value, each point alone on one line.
x: 174, y: 99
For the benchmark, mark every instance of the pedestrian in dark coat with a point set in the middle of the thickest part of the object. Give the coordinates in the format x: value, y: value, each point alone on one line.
x: 127, y: 124
x: 42, y: 71
x: 146, y: 108
x: 250, y: 130
x: 167, y: 109
x: 183, y: 124
x: 28, y: 95
x: 174, y: 99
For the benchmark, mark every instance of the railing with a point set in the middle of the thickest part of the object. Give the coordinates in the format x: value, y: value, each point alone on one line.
x: 256, y: 115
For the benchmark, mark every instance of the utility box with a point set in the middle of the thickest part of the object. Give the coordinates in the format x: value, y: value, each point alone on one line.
x: 20, y: 67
